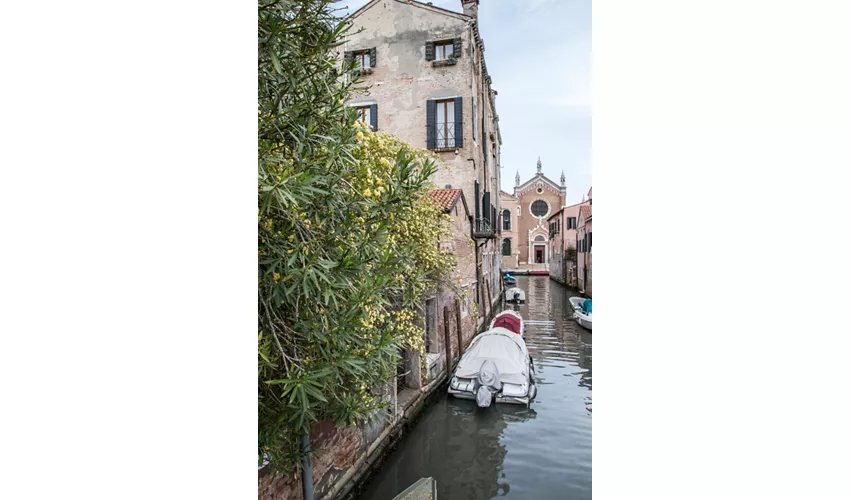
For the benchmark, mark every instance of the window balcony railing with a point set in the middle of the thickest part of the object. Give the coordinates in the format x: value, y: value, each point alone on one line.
x: 445, y: 135
x: 487, y: 227
x: 483, y: 228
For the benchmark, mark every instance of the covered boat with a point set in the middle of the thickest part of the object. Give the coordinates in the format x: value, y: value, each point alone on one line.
x: 509, y: 280
x: 583, y: 318
x: 495, y: 367
x: 515, y: 294
x: 509, y: 320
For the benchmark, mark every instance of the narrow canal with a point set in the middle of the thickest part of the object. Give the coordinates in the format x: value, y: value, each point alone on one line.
x: 540, y: 452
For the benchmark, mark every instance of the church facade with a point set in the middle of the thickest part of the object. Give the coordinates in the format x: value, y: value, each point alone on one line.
x: 525, y: 225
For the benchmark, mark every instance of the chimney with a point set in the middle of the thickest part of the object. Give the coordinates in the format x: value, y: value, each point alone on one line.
x: 470, y: 8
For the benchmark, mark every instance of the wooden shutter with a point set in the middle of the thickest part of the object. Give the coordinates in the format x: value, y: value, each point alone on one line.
x: 458, y: 122
x: 373, y: 117
x: 429, y: 51
x: 431, y: 124
x: 373, y: 54
x: 477, y: 201
x: 457, y: 47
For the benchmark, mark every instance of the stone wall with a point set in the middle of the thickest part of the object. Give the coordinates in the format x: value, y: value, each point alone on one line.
x: 336, y: 449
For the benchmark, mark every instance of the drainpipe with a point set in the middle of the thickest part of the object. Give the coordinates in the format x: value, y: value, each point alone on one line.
x: 306, y: 468
x: 477, y: 273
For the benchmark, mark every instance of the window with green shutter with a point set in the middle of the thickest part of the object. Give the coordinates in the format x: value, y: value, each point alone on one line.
x: 443, y: 52
x: 364, y: 60
x: 444, y: 122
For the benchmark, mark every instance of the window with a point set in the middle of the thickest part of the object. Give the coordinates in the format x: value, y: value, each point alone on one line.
x: 444, y: 50
x: 363, y: 114
x: 571, y: 222
x: 539, y: 237
x: 590, y: 241
x: 446, y: 124
x: 368, y: 113
x: 506, y: 247
x: 518, y: 212
x: 362, y: 60
x: 506, y: 220
x: 539, y: 208
x: 474, y: 121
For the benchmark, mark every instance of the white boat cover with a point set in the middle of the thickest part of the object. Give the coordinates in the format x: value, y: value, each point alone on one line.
x: 504, y: 348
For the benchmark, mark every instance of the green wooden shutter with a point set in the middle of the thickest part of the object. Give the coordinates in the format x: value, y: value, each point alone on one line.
x: 431, y: 124
x: 373, y: 116
x: 457, y: 47
x: 429, y: 51
x: 458, y: 122
x: 373, y: 55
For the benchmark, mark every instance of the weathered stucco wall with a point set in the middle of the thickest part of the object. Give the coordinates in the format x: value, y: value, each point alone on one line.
x: 402, y: 81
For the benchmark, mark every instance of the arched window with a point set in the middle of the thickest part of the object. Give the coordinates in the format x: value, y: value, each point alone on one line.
x: 539, y: 208
x: 539, y: 237
x: 506, y: 220
x: 506, y: 247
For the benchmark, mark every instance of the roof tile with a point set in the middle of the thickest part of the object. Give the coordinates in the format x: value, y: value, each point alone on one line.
x: 445, y: 198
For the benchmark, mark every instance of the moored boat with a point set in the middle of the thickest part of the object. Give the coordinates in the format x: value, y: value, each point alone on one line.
x: 515, y: 294
x: 585, y: 319
x: 509, y: 320
x: 495, y: 367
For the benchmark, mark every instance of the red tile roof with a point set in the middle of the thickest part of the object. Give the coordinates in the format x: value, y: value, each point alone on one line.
x: 446, y: 198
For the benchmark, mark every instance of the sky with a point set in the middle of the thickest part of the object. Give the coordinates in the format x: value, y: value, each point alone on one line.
x: 538, y: 55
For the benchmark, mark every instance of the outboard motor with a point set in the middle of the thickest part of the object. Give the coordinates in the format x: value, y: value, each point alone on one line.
x: 516, y: 296
x: 488, y: 384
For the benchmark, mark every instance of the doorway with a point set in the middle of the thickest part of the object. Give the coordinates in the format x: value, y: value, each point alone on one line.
x: 539, y: 254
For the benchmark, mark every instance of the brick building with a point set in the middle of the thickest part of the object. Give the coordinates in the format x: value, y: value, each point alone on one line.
x: 532, y: 203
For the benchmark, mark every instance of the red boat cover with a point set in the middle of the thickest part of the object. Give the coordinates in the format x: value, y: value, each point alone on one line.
x: 508, y: 321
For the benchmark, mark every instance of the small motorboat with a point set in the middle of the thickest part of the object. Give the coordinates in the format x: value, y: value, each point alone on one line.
x: 495, y: 367
x: 515, y: 294
x: 582, y: 318
x: 509, y: 320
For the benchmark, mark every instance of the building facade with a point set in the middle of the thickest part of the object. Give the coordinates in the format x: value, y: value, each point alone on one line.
x: 563, y: 226
x: 422, y: 77
x: 584, y: 244
x: 510, y: 252
x: 533, y: 202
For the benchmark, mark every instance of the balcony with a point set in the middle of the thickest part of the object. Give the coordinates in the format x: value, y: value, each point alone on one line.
x: 483, y: 229
x: 487, y: 227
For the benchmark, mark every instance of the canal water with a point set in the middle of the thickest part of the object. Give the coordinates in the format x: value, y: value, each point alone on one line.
x: 511, y: 451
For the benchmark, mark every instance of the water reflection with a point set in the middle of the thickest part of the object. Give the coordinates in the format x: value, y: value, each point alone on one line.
x: 540, y: 452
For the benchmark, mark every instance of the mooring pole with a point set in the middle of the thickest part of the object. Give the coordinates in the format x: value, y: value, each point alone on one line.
x: 306, y: 468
